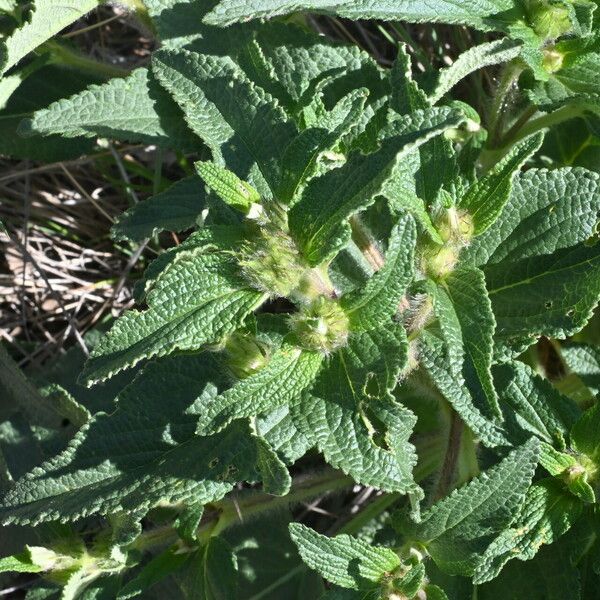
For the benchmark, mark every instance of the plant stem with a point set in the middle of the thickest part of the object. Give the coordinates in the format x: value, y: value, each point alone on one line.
x: 451, y: 459
x: 569, y: 111
x: 509, y: 75
x: 249, y: 503
x: 525, y: 127
x: 364, y: 240
x: 62, y: 54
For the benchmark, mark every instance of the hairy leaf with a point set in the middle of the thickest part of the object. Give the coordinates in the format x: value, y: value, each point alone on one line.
x: 379, y: 299
x: 320, y: 228
x: 352, y: 419
x: 584, y: 361
x: 478, y: 57
x: 144, y: 452
x: 289, y: 372
x: 175, y: 209
x: 469, y: 296
x: 344, y: 560
x: 197, y: 300
x: 458, y: 528
x: 240, y: 123
x: 300, y: 160
x: 476, y: 14
x: 485, y: 199
x: 547, y: 513
x: 552, y: 295
x: 531, y: 405
x: 47, y: 19
x: 546, y: 211
x: 134, y: 109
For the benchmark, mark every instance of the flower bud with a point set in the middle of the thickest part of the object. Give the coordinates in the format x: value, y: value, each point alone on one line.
x: 321, y: 326
x: 549, y: 19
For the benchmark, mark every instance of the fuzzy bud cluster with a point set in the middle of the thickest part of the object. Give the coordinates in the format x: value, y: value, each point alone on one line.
x: 549, y: 19
x: 456, y: 229
x: 321, y: 326
x: 270, y: 261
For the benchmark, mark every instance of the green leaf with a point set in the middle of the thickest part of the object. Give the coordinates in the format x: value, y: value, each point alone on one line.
x: 546, y: 514
x: 161, y: 566
x: 546, y: 211
x: 216, y: 237
x: 188, y: 521
x: 301, y: 159
x: 479, y: 14
x: 468, y: 293
x: 240, y: 123
x: 442, y: 355
x: 407, y: 96
x: 197, y: 300
x: 213, y: 572
x: 48, y: 18
x: 457, y: 529
x: 228, y: 186
x: 289, y: 371
x: 410, y: 583
x: 574, y: 80
x: 478, y: 57
x: 298, y: 66
x: 145, y: 452
x: 584, y: 434
x: 369, y: 441
x: 344, y: 560
x: 551, y: 575
x: 177, y: 22
x: 283, y: 436
x: 19, y: 563
x: 175, y: 209
x: 485, y: 199
x: 584, y: 361
x: 134, y: 109
x: 379, y: 299
x: 320, y: 228
x: 552, y: 295
x: 532, y: 405
x: 279, y: 568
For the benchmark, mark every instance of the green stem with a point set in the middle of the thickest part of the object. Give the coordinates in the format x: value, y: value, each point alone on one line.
x: 364, y: 240
x: 510, y: 74
x: 448, y: 470
x: 525, y: 127
x: 62, y: 54
x: 247, y: 504
x: 569, y: 111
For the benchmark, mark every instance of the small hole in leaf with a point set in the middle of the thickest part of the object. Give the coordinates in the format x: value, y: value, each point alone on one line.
x: 65, y: 423
x: 213, y: 463
x: 548, y: 304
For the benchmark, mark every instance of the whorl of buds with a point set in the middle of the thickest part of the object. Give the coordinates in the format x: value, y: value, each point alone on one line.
x: 321, y: 326
x: 271, y: 263
x: 456, y: 229
x: 553, y: 60
x: 245, y: 354
x: 549, y: 19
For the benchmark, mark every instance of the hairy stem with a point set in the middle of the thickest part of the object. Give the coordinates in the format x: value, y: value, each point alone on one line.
x: 565, y: 113
x: 248, y: 503
x: 64, y: 55
x: 364, y: 240
x: 508, y: 77
x: 448, y: 469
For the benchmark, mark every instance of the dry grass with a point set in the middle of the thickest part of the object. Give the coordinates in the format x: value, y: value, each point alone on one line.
x: 60, y: 269
x: 60, y: 273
